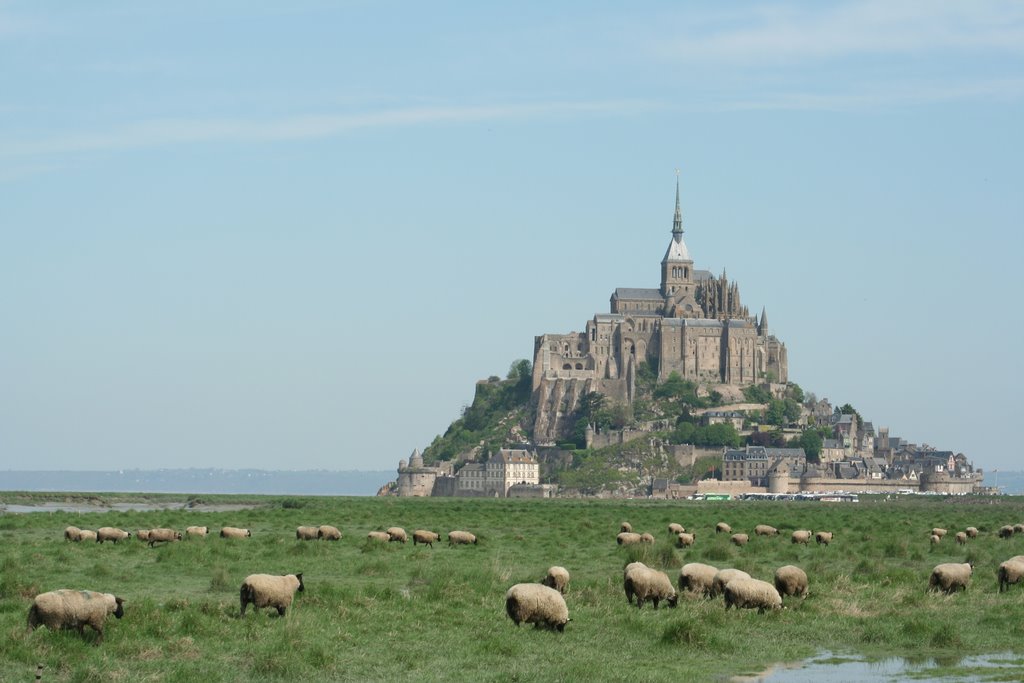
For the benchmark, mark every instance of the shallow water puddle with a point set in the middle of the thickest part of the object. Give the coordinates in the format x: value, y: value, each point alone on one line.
x: 841, y: 668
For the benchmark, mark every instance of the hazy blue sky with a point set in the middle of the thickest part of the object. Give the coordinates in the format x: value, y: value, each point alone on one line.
x: 241, y: 234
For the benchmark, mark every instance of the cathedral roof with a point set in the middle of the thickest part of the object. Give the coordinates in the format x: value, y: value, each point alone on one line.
x: 637, y: 293
x: 677, y: 250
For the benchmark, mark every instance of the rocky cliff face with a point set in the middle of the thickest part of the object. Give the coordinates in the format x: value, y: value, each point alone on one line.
x: 556, y: 402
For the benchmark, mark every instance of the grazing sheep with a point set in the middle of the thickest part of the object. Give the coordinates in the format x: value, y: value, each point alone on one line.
x: 676, y: 529
x: 628, y: 538
x: 87, y: 535
x: 752, y: 593
x: 739, y: 539
x: 397, y: 533
x: 961, y: 537
x: 723, y: 528
x: 625, y: 572
x: 163, y: 535
x: 646, y: 538
x: 824, y: 537
x: 74, y: 609
x: 801, y: 536
x: 1010, y: 572
x: 649, y: 584
x: 697, y: 578
x: 685, y: 540
x: 1005, y: 531
x: 142, y: 535
x: 327, y: 532
x: 765, y: 530
x: 626, y: 527
x: 538, y: 605
x: 425, y: 537
x: 972, y: 532
x: 723, y: 577
x: 267, y: 590
x: 197, y: 531
x: 935, y: 539
x: 109, y: 533
x: 234, y: 532
x: 1018, y: 528
x: 791, y: 580
x: 306, y: 533
x: 950, y: 577
x: 461, y: 538
x: 941, y: 533
x: 381, y: 536
x: 557, y: 578
x: 72, y: 533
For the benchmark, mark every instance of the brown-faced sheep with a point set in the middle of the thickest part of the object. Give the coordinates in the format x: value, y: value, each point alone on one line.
x: 306, y: 533
x: 950, y: 577
x: 1010, y: 572
x: 72, y: 533
x: 972, y: 532
x: 935, y: 539
x: 791, y: 580
x: 697, y: 578
x: 197, y: 531
x: 739, y: 539
x: 163, y: 536
x: 824, y: 537
x: 675, y: 529
x: 752, y: 594
x: 649, y: 584
x: 941, y: 533
x: 326, y: 532
x: 378, y: 536
x: 425, y: 537
x: 461, y: 538
x: 538, y: 605
x: 685, y: 540
x: 557, y: 578
x: 628, y: 538
x: 961, y: 537
x: 109, y: 533
x: 801, y: 536
x: 765, y: 530
x: 647, y: 538
x: 723, y: 577
x: 235, y: 532
x: 626, y: 527
x: 1005, y: 531
x: 69, y: 609
x: 268, y: 590
x: 397, y: 534
x: 723, y: 528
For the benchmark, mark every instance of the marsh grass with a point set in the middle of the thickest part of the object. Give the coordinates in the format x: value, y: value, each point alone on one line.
x: 384, y: 611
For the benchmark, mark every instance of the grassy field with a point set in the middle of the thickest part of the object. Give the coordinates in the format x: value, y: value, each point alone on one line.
x: 393, y: 612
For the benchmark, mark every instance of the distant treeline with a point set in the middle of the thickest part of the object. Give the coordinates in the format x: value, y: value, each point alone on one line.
x: 272, y: 482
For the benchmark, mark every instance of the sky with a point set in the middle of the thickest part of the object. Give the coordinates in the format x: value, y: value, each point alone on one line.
x: 294, y: 235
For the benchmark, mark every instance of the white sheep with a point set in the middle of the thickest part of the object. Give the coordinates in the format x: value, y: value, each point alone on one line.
x: 765, y: 530
x: 425, y: 537
x: 723, y: 528
x: 397, y: 534
x: 197, y: 531
x: 750, y: 594
x: 557, y: 578
x: 696, y: 577
x: 628, y: 538
x: 87, y: 535
x: 824, y: 537
x: 268, y: 590
x: 941, y: 533
x: 723, y: 577
x: 791, y: 580
x: 142, y: 535
x: 72, y: 533
x: 378, y: 536
x: 307, y: 533
x: 961, y: 538
x: 935, y: 539
x: 801, y: 536
x: 536, y: 604
x: 972, y: 532
x: 163, y: 535
x: 647, y: 538
x: 626, y: 527
x: 69, y: 609
x: 327, y: 532
x: 625, y: 572
x: 951, y: 577
x: 109, y: 533
x: 649, y: 584
x: 685, y: 540
x: 234, y: 532
x: 739, y: 539
x: 675, y: 529
x: 461, y: 538
x: 1010, y: 572
x: 1005, y: 531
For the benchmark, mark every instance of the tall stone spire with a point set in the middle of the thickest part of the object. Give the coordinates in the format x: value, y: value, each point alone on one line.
x: 677, y: 221
x: 762, y: 327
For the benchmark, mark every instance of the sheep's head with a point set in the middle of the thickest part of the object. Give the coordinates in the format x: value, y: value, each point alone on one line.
x: 673, y: 600
x: 119, y: 612
x: 302, y: 587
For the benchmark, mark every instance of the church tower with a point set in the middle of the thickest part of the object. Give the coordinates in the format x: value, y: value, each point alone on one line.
x: 677, y: 272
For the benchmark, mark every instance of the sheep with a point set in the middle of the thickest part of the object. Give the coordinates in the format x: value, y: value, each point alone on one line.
x: 723, y: 577
x: 696, y: 578
x: 538, y: 605
x: 649, y: 584
x: 676, y: 529
x: 306, y: 533
x: 72, y: 533
x: 164, y: 535
x: 972, y: 532
x: 397, y: 534
x: 234, y: 532
x: 557, y: 578
x: 765, y: 530
x: 109, y: 533
x: 87, y: 535
x: 1018, y: 528
x: 824, y: 537
x: 69, y: 609
x: 941, y: 533
x: 626, y: 527
x: 1005, y: 531
x: 801, y: 536
x: 628, y: 538
x: 647, y: 538
x: 685, y: 540
x: 142, y: 535
x: 1010, y: 572
x: 950, y: 577
x: 267, y: 590
x: 461, y: 538
x: 625, y: 572
x: 935, y: 539
x: 791, y: 580
x: 197, y: 531
x: 739, y: 539
x: 723, y: 528
x: 961, y: 537
x: 379, y: 536
x: 425, y: 537
x: 327, y: 532
x: 752, y: 593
